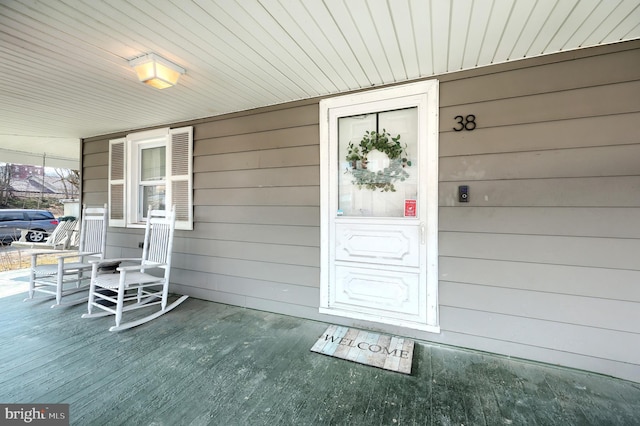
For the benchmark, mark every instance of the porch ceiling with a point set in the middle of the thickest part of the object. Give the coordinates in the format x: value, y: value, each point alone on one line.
x: 64, y: 70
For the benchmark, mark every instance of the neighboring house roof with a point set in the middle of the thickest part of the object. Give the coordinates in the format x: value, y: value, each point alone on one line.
x: 52, y: 185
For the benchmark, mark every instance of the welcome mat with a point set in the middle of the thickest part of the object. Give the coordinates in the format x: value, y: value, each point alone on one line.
x: 388, y: 352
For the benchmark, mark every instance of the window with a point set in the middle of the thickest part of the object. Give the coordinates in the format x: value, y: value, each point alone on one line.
x: 151, y: 183
x: 6, y: 217
x: 394, y: 180
x: 152, y: 168
x: 40, y: 215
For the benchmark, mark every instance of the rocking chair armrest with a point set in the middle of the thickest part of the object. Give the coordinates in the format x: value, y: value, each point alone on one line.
x: 139, y: 267
x: 50, y: 252
x: 88, y: 253
x: 76, y: 254
x: 116, y: 259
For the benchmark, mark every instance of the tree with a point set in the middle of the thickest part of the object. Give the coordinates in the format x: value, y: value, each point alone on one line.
x: 70, y: 180
x: 6, y: 174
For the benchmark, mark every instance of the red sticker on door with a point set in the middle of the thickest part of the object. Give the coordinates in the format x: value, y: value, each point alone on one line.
x: 409, y: 208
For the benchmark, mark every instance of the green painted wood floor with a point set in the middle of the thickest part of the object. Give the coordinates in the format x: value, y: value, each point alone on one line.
x: 207, y: 363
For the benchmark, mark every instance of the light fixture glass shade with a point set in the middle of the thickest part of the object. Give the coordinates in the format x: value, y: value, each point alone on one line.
x: 156, y: 71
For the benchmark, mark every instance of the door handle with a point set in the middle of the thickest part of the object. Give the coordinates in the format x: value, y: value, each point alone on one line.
x: 422, y: 231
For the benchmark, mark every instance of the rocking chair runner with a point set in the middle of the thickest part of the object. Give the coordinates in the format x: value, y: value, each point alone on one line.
x: 71, y: 272
x: 132, y: 287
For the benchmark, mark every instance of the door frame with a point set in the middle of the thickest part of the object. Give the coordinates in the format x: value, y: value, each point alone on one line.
x: 365, y: 102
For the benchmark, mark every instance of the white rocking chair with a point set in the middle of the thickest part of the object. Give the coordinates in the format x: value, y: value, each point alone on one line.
x: 132, y: 287
x: 61, y: 238
x: 71, y: 273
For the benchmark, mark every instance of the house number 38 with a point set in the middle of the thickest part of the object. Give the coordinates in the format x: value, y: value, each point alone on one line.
x: 465, y: 123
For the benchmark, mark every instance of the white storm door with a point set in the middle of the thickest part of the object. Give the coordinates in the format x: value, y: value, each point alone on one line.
x: 379, y: 191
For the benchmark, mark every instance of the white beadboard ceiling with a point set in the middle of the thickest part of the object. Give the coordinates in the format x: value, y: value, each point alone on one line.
x: 64, y: 73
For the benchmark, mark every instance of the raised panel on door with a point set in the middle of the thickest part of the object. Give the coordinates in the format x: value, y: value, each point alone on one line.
x: 396, y: 245
x: 381, y: 292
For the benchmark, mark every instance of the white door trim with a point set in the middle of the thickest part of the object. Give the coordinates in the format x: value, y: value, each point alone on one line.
x: 423, y: 93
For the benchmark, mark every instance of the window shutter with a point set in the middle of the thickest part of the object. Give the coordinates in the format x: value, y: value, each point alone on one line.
x: 180, y: 175
x: 117, y: 179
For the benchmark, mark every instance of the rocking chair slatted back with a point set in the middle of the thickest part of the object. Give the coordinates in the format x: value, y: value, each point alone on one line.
x: 93, y: 233
x: 160, y: 237
x: 63, y: 234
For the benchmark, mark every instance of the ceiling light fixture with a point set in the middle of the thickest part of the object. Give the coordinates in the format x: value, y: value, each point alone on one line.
x: 156, y: 71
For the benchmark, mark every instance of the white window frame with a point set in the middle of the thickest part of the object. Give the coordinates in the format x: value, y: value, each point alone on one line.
x: 125, y: 176
x: 136, y: 142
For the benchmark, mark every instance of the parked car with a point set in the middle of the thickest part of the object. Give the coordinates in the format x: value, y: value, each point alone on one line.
x: 39, y: 223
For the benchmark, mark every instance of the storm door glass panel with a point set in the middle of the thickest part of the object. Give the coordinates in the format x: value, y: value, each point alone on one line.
x: 152, y: 179
x: 378, y: 156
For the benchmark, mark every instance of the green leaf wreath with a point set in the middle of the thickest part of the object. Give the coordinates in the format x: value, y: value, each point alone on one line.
x: 382, y: 179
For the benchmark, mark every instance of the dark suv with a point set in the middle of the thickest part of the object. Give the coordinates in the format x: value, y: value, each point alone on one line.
x: 39, y: 222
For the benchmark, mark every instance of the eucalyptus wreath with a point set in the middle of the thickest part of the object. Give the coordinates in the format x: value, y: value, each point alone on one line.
x: 382, y: 179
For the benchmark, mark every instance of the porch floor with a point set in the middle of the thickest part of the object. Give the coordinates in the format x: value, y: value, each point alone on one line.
x: 208, y: 363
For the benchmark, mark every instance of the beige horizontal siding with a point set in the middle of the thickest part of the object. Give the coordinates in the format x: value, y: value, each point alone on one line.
x: 93, y: 160
x: 93, y: 147
x: 94, y: 174
x: 258, y: 233
x: 283, y: 176
x: 618, y: 191
x: 126, y: 238
x: 95, y: 185
x: 284, y: 273
x: 541, y: 334
x: 260, y: 159
x: 269, y: 139
x: 94, y: 198
x: 267, y: 252
x: 266, y: 215
x: 248, y: 288
x: 535, y: 304
x: 543, y: 260
x: 551, y: 249
x: 282, y: 117
x: 543, y: 78
x: 619, y: 98
x: 583, y: 281
x: 98, y: 172
x: 256, y: 195
x: 281, y: 196
x: 622, y: 160
x: 600, y: 131
x: 548, y: 354
x: 561, y: 221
